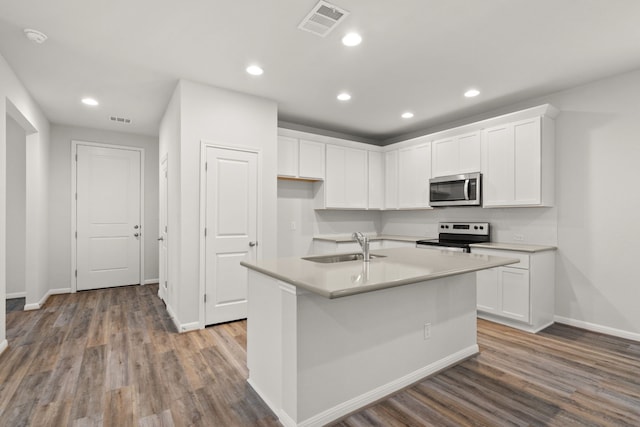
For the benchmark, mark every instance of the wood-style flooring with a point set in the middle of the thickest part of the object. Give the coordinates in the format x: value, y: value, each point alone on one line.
x: 113, y: 358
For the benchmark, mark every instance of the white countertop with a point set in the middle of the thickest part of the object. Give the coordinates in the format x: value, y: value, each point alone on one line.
x: 400, y: 266
x: 343, y: 238
x: 516, y: 247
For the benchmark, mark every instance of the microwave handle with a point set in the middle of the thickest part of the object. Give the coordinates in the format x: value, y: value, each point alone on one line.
x: 466, y: 189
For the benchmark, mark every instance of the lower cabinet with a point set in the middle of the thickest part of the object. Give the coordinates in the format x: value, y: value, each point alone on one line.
x: 519, y: 295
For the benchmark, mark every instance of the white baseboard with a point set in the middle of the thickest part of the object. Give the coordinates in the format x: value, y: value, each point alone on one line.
x: 3, y: 346
x: 39, y: 304
x: 378, y: 393
x: 151, y: 281
x: 598, y: 328
x: 14, y: 295
x: 186, y: 327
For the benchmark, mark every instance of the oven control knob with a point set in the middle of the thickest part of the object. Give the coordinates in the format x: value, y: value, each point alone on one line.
x: 475, y: 227
x: 481, y: 227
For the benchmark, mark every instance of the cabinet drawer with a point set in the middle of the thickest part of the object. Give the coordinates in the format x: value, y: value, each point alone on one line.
x: 522, y: 256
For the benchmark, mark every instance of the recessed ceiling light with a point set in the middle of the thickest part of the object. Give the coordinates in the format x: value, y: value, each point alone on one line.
x: 352, y: 39
x: 254, y: 70
x: 90, y: 101
x: 471, y: 93
x: 407, y: 115
x: 35, y: 35
x: 344, y: 96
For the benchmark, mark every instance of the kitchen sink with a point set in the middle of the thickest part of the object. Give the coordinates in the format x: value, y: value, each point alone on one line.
x: 329, y: 259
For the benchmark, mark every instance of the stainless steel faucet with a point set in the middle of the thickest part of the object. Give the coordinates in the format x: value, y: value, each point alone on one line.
x: 363, y: 241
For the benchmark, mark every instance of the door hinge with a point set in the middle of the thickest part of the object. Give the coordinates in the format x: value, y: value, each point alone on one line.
x: 205, y: 297
x: 76, y: 196
x: 165, y: 228
x: 205, y: 232
x: 76, y: 234
x: 206, y: 166
x: 166, y: 175
x: 76, y: 273
x: 76, y: 157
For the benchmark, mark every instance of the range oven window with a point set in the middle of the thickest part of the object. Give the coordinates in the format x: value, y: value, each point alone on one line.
x: 452, y: 191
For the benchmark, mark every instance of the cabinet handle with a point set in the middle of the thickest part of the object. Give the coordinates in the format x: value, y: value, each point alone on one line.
x: 252, y: 244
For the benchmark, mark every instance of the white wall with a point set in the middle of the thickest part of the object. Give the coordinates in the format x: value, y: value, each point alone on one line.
x: 16, y: 174
x: 170, y: 148
x: 295, y: 205
x: 60, y: 197
x: 16, y: 101
x: 537, y: 225
x: 598, y: 153
x: 228, y: 118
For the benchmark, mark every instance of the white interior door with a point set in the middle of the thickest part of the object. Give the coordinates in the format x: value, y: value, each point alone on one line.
x: 162, y: 232
x: 108, y: 223
x: 231, y: 230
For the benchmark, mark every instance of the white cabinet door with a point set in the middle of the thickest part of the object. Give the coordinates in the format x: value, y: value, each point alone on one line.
x: 376, y: 180
x: 391, y: 179
x: 414, y: 172
x: 356, y: 178
x: 497, y: 159
x: 527, y: 156
x: 346, y: 178
x: 514, y: 288
x: 311, y: 160
x: 487, y: 285
x: 512, y: 156
x: 446, y: 153
x: 470, y: 153
x: 287, y: 156
x: 456, y: 155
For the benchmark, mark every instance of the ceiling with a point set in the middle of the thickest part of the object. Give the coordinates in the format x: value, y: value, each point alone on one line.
x: 416, y: 55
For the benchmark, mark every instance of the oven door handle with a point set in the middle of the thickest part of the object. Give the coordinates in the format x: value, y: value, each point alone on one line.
x: 466, y: 189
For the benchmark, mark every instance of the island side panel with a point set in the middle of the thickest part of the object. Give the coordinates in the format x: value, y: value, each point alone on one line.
x: 352, y: 351
x: 264, y: 338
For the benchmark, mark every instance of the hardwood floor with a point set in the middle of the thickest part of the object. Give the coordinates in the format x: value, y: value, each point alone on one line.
x: 112, y: 357
x: 562, y: 376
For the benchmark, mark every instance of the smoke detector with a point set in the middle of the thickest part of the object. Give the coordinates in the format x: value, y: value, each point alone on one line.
x: 322, y: 19
x: 35, y: 35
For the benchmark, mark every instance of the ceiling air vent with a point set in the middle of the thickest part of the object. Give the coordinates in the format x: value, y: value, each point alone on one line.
x: 120, y: 120
x: 323, y: 18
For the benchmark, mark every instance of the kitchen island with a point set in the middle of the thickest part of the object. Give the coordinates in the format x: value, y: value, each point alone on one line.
x: 325, y: 339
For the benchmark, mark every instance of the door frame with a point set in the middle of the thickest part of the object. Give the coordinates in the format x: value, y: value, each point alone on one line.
x: 74, y: 202
x: 204, y: 144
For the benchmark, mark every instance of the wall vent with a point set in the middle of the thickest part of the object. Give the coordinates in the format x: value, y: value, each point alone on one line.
x: 322, y: 19
x: 120, y: 120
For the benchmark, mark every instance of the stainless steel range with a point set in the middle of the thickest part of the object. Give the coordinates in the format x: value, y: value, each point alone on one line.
x: 457, y: 236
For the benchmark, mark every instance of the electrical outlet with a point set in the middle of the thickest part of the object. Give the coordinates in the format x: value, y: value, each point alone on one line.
x: 427, y: 331
x: 518, y: 237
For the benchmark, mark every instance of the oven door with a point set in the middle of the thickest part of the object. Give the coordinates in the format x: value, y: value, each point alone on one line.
x: 455, y: 190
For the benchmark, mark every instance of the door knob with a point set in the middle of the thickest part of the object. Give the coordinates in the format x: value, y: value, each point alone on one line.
x: 136, y: 226
x: 252, y: 244
x: 136, y: 234
x: 160, y: 239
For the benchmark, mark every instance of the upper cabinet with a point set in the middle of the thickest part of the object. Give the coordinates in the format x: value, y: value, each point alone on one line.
x: 414, y: 172
x: 518, y: 163
x: 391, y: 179
x: 299, y: 158
x: 376, y: 180
x: 346, y: 180
x: 457, y: 154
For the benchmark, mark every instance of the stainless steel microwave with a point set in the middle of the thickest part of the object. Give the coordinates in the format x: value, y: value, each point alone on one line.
x: 456, y: 190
